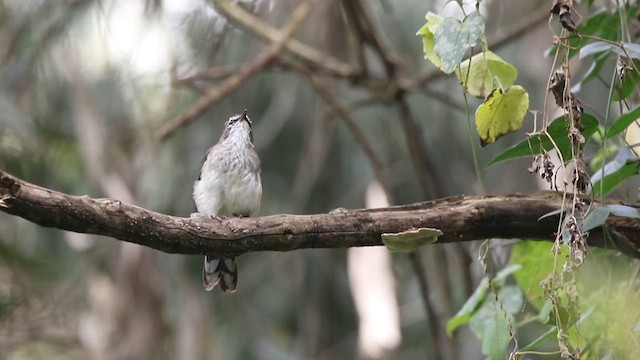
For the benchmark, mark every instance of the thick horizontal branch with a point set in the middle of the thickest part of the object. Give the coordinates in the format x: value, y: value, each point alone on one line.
x: 460, y: 218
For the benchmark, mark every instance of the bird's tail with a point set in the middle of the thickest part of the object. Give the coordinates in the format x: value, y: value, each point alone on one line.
x: 222, y: 270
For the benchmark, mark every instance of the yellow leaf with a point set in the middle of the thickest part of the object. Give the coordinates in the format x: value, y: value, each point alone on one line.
x: 428, y: 39
x: 501, y: 113
x: 488, y: 71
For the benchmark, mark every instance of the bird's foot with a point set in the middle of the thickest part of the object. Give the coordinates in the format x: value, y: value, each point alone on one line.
x: 202, y: 216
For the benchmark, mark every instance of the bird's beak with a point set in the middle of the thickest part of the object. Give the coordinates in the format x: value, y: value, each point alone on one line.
x: 245, y: 117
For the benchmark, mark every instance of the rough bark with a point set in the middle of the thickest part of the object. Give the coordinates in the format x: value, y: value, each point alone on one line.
x: 460, y: 218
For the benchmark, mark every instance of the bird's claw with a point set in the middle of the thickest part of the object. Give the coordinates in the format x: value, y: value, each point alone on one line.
x: 202, y: 216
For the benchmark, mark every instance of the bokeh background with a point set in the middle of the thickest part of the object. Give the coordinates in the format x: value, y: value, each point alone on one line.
x: 87, y: 86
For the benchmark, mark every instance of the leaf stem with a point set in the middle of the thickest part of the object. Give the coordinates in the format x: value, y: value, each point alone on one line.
x: 476, y: 165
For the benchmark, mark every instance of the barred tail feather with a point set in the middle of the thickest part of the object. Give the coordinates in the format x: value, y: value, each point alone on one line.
x: 219, y: 270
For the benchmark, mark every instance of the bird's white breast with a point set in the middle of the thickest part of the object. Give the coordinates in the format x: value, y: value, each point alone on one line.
x: 229, y: 185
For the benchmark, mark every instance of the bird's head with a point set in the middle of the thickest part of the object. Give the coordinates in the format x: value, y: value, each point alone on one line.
x: 238, y: 128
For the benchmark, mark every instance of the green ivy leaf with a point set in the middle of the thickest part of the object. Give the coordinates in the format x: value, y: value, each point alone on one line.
x: 484, y: 72
x: 453, y: 38
x: 538, y: 143
x: 501, y: 113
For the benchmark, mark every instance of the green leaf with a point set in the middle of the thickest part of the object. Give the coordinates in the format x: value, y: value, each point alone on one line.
x: 603, y: 24
x: 595, y: 48
x: 411, y: 239
x: 538, y: 143
x: 477, y: 298
x: 537, y: 263
x: 502, y: 274
x: 594, y: 70
x: 484, y: 72
x: 611, y: 181
x: 475, y: 23
x: 490, y: 325
x: 433, y: 21
x: 623, y: 210
x: 598, y: 160
x: 633, y: 50
x: 549, y: 334
x: 428, y: 41
x: 545, y: 311
x: 551, y: 213
x: 469, y: 308
x: 595, y: 218
x: 628, y: 87
x: 623, y: 156
x: 453, y: 38
x: 501, y: 113
x: 511, y: 299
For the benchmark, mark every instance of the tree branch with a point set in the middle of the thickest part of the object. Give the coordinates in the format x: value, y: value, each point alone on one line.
x: 461, y: 218
x: 254, y: 25
x: 242, y: 74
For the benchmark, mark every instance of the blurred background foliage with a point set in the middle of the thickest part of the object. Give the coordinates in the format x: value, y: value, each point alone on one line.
x: 86, y: 87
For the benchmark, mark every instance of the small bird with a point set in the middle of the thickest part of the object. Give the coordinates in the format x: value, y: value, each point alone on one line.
x: 229, y: 185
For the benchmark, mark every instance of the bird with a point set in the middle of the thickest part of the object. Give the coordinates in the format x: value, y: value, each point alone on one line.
x: 229, y: 185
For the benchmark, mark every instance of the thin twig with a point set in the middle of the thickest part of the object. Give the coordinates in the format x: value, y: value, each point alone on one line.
x: 212, y: 73
x: 328, y: 96
x: 242, y: 74
x: 426, y: 173
x: 254, y: 25
x: 438, y: 340
x: 424, y: 166
x: 365, y: 30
